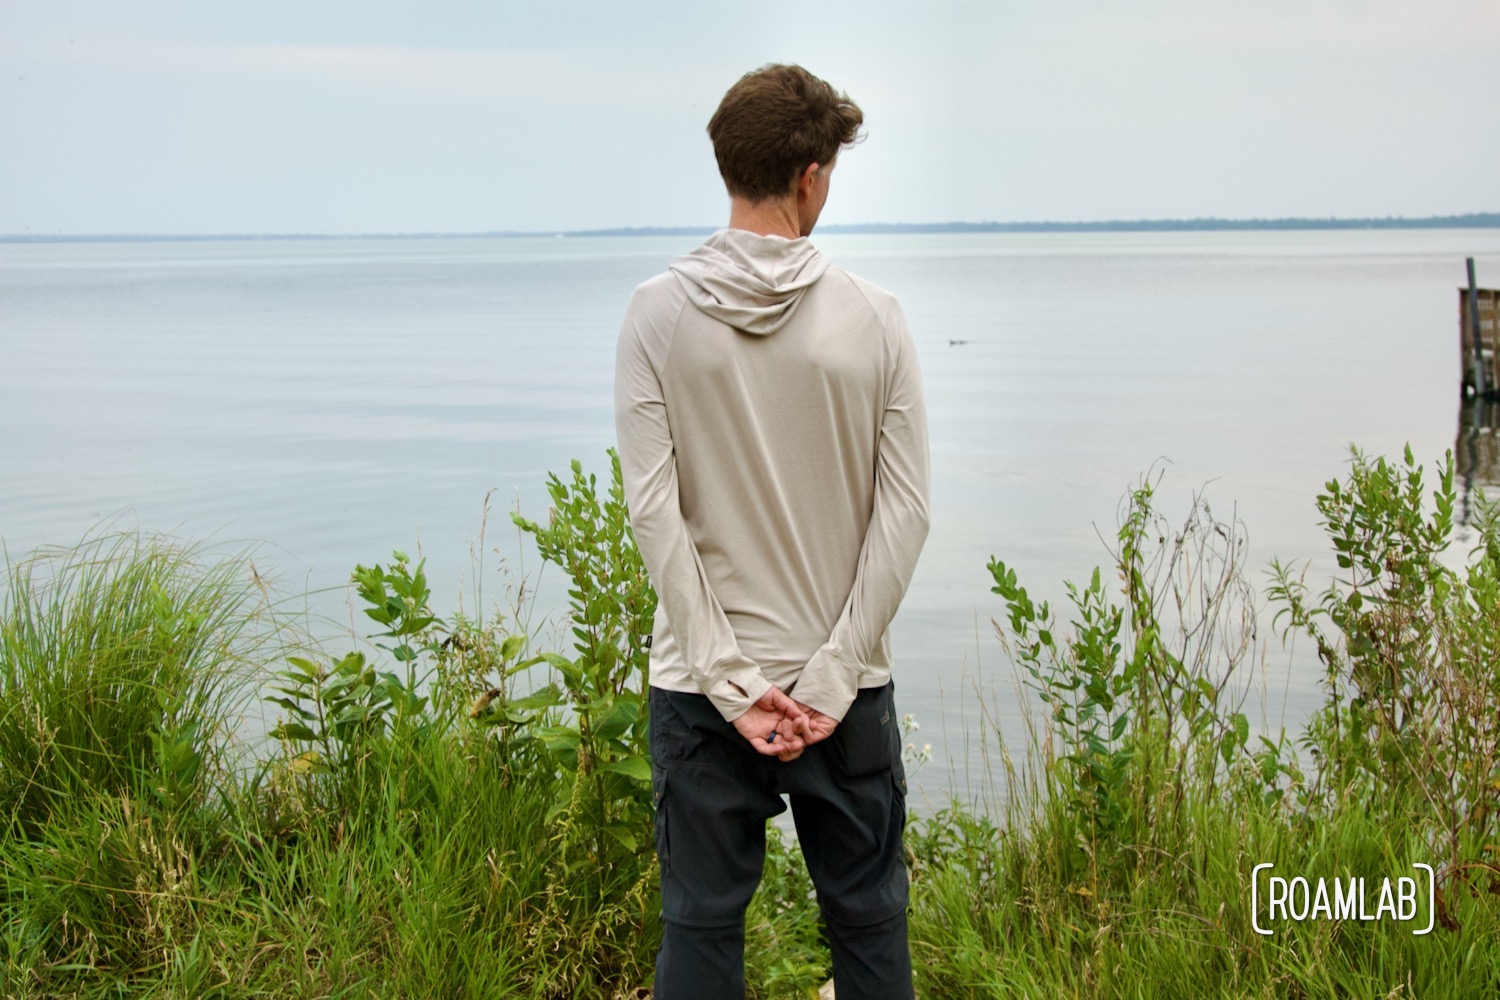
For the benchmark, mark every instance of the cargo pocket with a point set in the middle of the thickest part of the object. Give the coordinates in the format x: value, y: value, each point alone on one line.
x: 670, y: 735
x: 868, y: 740
x: 659, y: 803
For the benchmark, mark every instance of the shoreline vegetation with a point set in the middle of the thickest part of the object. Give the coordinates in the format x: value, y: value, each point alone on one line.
x: 1470, y: 220
x: 461, y: 809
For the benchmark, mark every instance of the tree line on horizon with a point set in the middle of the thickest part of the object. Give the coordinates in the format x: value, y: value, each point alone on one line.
x: 1470, y: 220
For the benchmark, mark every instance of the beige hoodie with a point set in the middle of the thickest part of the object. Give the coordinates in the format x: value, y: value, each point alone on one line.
x: 773, y: 443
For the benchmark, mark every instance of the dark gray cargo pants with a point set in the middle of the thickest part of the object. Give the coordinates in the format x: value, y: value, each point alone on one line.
x: 713, y: 795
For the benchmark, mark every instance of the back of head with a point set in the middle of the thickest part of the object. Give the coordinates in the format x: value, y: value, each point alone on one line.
x: 773, y: 123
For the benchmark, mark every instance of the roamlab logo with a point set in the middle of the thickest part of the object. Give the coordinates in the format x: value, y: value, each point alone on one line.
x: 1298, y: 898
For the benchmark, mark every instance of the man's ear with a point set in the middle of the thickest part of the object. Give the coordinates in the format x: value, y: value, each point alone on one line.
x: 805, y: 179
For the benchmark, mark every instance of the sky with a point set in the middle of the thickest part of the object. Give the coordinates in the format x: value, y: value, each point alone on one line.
x: 336, y: 117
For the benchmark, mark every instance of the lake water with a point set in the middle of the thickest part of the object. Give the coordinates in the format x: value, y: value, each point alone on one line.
x: 336, y: 399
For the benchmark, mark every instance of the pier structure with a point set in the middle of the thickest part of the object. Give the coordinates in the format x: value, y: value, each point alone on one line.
x: 1479, y: 357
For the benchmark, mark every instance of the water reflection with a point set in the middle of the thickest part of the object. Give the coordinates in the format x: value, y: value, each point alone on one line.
x: 1476, y: 453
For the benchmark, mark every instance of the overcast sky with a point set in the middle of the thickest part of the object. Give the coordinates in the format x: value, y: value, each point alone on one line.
x: 268, y: 116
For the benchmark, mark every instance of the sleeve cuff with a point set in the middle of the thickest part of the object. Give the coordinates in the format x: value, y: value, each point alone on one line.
x: 734, y: 693
x: 828, y: 683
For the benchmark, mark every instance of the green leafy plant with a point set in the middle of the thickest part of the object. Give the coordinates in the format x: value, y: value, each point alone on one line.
x: 398, y: 599
x: 337, y: 709
x: 602, y: 742
x: 335, y: 705
x: 1410, y: 646
x: 1085, y: 684
x: 1148, y: 672
x: 601, y: 895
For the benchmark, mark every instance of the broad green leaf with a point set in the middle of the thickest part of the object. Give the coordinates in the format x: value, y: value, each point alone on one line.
x: 305, y: 666
x: 636, y: 768
x: 511, y: 647
x: 623, y: 835
x: 618, y: 718
x: 516, y: 668
x: 546, y: 697
x: 293, y: 731
x: 1241, y: 728
x: 558, y: 739
x: 293, y: 707
x: 1227, y: 747
x: 307, y: 762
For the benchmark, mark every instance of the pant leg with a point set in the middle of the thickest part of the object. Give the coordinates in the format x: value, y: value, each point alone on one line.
x: 700, y: 962
x: 871, y: 961
x: 713, y: 795
x: 849, y: 801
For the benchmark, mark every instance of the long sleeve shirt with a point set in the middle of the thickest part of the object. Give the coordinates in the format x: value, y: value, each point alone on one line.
x: 773, y: 443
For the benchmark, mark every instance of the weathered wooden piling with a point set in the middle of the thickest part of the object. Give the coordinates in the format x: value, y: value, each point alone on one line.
x: 1479, y: 358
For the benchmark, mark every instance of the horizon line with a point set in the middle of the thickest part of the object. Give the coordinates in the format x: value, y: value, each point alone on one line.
x: 1470, y: 220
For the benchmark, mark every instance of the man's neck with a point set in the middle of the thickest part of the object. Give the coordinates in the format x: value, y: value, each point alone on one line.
x: 772, y: 217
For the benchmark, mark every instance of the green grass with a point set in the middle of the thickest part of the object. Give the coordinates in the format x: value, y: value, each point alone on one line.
x: 120, y: 657
x: 122, y: 669
x: 138, y: 860
x: 409, y: 848
x: 1121, y: 862
x: 1010, y: 910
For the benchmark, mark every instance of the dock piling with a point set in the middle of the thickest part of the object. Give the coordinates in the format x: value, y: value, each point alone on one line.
x: 1481, y: 382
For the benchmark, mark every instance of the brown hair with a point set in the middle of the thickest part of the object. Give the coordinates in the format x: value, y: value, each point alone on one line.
x: 773, y: 123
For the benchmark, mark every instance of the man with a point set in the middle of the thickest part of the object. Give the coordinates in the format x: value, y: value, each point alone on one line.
x: 774, y: 448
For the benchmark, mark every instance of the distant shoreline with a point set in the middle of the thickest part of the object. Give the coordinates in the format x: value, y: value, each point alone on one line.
x: 1473, y: 220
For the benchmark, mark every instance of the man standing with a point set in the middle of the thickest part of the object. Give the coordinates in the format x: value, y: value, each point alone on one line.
x: 773, y: 442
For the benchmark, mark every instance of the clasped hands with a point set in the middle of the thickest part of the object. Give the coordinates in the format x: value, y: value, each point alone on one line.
x: 778, y: 726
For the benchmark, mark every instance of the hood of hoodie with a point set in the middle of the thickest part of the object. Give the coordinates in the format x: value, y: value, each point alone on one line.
x: 752, y: 282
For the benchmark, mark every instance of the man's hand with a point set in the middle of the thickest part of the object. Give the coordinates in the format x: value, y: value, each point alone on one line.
x: 774, y: 725
x: 818, y: 726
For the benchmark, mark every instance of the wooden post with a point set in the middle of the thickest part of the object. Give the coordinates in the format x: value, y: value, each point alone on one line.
x: 1481, y: 380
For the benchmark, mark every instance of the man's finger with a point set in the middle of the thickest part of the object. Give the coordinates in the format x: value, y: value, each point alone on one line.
x: 818, y: 726
x: 778, y: 700
x: 781, y: 738
x: 777, y: 747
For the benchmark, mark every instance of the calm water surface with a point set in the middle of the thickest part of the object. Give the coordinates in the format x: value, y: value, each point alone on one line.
x: 336, y: 399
